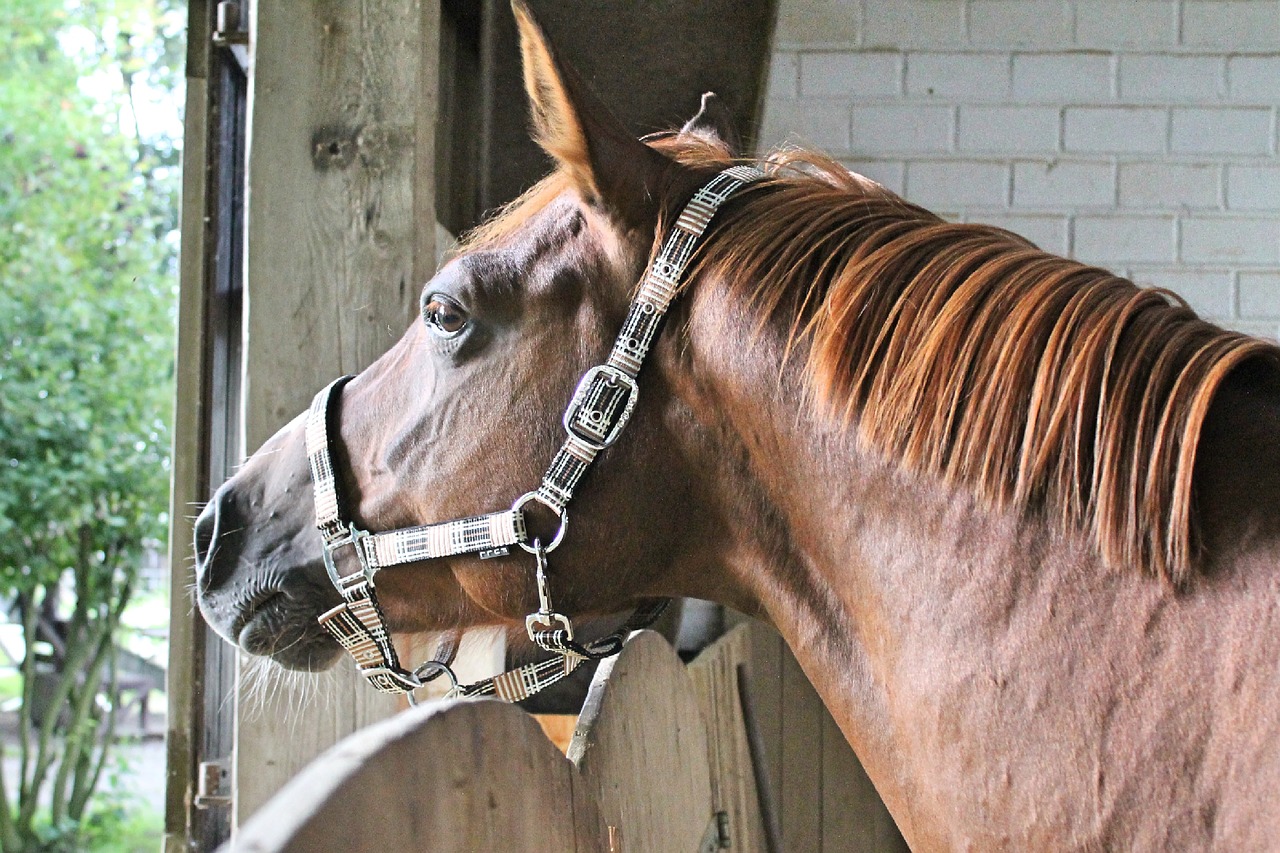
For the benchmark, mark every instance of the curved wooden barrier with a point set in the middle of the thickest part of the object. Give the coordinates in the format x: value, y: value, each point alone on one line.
x: 454, y: 776
x: 640, y: 748
x: 663, y: 758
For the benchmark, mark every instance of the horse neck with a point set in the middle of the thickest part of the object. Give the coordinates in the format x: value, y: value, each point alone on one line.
x: 930, y: 624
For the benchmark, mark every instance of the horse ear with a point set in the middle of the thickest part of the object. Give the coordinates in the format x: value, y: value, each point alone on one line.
x: 609, y: 167
x: 714, y: 123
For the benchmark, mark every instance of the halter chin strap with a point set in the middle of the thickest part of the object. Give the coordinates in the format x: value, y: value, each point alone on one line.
x: 598, y: 412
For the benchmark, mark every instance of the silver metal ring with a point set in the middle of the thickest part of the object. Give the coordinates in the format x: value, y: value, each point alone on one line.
x: 429, y: 667
x: 561, y: 514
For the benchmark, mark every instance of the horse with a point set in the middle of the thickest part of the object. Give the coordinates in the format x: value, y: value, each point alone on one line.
x: 1015, y: 516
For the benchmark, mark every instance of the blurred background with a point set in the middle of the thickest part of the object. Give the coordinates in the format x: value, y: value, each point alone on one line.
x: 90, y: 147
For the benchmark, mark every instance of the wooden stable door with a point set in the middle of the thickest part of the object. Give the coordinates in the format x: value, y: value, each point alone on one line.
x: 340, y: 237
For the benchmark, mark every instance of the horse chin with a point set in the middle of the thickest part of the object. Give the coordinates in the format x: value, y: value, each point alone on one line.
x: 275, y: 630
x: 285, y: 630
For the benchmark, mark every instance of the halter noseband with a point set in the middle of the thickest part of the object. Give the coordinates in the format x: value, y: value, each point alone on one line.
x: 598, y: 412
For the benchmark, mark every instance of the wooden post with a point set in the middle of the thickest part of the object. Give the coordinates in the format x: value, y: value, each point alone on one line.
x: 184, y: 624
x: 341, y: 236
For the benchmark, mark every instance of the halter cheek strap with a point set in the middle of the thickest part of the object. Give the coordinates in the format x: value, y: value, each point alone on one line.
x: 598, y: 412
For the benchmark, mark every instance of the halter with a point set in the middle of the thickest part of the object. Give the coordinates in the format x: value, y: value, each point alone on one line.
x: 597, y: 413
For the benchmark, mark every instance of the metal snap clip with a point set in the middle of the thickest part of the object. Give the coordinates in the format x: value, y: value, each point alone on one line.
x: 546, y: 619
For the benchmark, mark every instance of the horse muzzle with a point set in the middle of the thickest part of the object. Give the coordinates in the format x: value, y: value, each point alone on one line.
x: 256, y: 583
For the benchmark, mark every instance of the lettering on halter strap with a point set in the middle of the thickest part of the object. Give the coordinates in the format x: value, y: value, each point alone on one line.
x: 490, y: 553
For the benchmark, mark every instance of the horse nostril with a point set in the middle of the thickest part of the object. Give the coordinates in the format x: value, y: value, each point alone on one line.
x: 206, y: 539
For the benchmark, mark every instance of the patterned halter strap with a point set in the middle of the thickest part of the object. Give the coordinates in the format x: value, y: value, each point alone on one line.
x: 597, y: 414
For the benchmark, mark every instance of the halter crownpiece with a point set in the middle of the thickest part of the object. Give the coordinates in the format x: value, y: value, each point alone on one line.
x: 598, y: 412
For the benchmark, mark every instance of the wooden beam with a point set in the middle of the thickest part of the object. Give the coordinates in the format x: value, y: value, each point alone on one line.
x: 340, y: 238
x: 183, y: 681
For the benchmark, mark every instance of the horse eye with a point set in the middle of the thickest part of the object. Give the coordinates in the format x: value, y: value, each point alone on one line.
x: 444, y: 317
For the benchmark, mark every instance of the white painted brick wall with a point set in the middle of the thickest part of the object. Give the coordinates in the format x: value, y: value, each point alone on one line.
x: 899, y: 127
x: 1140, y: 135
x: 1235, y: 240
x: 1050, y: 184
x: 965, y: 77
x: 1253, y: 187
x: 1103, y: 130
x: 1172, y: 78
x: 858, y: 75
x: 1106, y: 239
x: 1232, y: 130
x: 1165, y: 185
x: 1007, y: 129
x: 1032, y: 23
x: 1231, y: 24
x: 1056, y: 78
x: 1254, y: 79
x: 949, y: 184
x: 1127, y: 23
x: 1260, y: 295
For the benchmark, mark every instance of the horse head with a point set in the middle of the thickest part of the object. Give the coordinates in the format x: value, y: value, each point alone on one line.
x: 462, y: 415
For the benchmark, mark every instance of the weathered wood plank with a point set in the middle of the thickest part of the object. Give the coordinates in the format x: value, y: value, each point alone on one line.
x: 763, y: 673
x: 332, y: 166
x: 854, y: 819
x: 825, y: 800
x: 185, y: 623
x: 339, y: 171
x: 642, y: 773
x: 715, y: 675
x: 451, y: 777
x: 802, y: 757
x: 641, y: 747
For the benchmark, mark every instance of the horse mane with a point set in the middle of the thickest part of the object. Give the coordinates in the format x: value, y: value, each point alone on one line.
x: 964, y: 352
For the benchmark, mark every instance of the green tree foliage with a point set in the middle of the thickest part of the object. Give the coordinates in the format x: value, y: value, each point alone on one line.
x: 87, y: 282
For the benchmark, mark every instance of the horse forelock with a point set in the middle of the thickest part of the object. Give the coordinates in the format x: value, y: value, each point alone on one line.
x: 966, y: 353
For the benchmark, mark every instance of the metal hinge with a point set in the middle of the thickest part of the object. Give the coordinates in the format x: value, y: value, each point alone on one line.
x: 229, y: 32
x: 226, y: 29
x: 717, y: 835
x: 213, y: 785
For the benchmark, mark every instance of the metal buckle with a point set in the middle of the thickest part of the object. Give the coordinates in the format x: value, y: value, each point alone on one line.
x: 355, y: 538
x: 577, y: 418
x: 546, y: 617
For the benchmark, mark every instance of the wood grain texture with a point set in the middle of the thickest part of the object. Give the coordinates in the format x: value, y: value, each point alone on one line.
x: 801, y: 795
x: 333, y: 160
x: 825, y: 800
x: 182, y: 682
x: 641, y: 748
x: 451, y: 777
x: 657, y: 750
x: 339, y: 172
x: 854, y: 818
x: 715, y: 675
